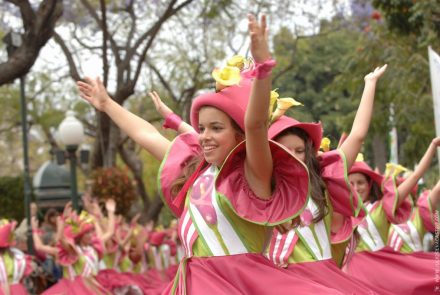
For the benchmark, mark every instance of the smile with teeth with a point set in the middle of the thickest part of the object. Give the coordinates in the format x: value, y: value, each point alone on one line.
x: 208, y: 148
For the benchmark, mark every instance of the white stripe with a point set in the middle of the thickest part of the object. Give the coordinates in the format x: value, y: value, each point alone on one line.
x: 287, y: 243
x: 157, y: 258
x: 208, y: 235
x: 191, y: 233
x: 275, y: 248
x: 412, y: 239
x: 323, y: 239
x: 182, y: 229
x: 19, y: 265
x: 393, y: 239
x: 230, y: 238
x: 306, y: 235
x: 3, y: 274
x: 375, y: 243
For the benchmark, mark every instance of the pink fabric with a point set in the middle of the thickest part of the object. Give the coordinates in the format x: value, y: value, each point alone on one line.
x: 290, y: 191
x: 399, y: 273
x: 243, y: 274
x: 184, y: 148
x: 342, y: 195
x: 389, y: 200
x: 172, y: 121
x: 313, y: 130
x: 6, y: 230
x: 110, y: 279
x: 15, y: 289
x: 426, y: 212
x: 77, y: 286
x: 327, y: 273
x: 156, y: 238
x: 261, y: 70
x: 231, y: 100
x: 346, y: 230
x: 67, y: 257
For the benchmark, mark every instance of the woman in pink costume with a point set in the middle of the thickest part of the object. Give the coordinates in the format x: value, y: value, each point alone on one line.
x: 14, y: 264
x: 227, y: 204
x: 373, y: 261
x: 79, y: 249
x: 306, y: 249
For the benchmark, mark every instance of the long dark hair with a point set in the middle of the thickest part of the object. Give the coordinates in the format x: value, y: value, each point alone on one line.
x: 194, y: 162
x: 375, y: 191
x: 318, y: 187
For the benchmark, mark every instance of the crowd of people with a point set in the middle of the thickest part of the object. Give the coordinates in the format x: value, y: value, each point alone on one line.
x: 264, y: 206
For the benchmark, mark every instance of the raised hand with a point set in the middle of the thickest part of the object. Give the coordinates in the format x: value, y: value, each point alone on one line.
x: 110, y: 205
x: 94, y: 92
x: 436, y: 141
x: 376, y: 74
x: 161, y: 107
x: 67, y: 209
x: 258, y: 33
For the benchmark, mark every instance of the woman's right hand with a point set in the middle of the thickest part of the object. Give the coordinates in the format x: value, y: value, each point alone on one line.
x: 161, y: 107
x: 94, y: 92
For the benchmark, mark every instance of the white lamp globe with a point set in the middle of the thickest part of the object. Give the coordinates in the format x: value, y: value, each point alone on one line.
x: 71, y: 130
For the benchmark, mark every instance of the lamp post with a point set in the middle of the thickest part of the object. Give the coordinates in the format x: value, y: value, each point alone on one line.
x: 13, y: 41
x: 71, y: 134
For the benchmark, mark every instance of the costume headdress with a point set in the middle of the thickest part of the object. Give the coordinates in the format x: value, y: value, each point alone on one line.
x: 78, y: 225
x: 7, y: 233
x: 359, y: 166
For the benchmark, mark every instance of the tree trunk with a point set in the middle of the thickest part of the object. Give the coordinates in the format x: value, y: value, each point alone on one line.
x: 379, y: 151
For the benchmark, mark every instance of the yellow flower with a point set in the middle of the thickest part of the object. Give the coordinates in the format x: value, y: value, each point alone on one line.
x: 273, y: 98
x: 236, y: 61
x: 283, y: 104
x: 394, y: 169
x: 226, y: 76
x: 325, y: 144
x: 360, y: 157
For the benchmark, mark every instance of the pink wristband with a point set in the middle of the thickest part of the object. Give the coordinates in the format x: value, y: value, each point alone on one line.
x: 261, y: 70
x: 172, y: 121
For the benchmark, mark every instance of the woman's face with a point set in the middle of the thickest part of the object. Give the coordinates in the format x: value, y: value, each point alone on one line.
x: 294, y: 144
x: 86, y: 238
x: 361, y: 185
x: 217, y: 135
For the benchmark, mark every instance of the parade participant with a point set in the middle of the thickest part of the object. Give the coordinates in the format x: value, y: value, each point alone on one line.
x: 415, y: 235
x: 226, y: 204
x: 14, y: 264
x: 406, y: 274
x: 306, y: 249
x: 79, y: 249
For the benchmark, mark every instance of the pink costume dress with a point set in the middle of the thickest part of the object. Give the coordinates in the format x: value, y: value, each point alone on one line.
x: 415, y: 235
x: 307, y: 249
x: 380, y: 265
x: 14, y: 266
x: 224, y: 227
x: 79, y: 271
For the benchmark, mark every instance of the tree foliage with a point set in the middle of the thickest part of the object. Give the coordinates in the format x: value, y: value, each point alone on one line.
x: 11, y: 198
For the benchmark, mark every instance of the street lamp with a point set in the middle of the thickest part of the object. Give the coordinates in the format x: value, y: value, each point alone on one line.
x: 71, y: 134
x: 13, y: 41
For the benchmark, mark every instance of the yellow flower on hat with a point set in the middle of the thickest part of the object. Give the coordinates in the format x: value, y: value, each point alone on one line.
x: 283, y: 104
x: 394, y: 169
x: 325, y: 144
x: 237, y: 61
x: 273, y: 98
x: 360, y: 157
x: 226, y: 76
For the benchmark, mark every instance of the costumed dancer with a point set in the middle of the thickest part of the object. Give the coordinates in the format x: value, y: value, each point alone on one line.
x: 14, y: 264
x: 226, y: 205
x: 306, y: 249
x: 405, y: 274
x: 79, y: 249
